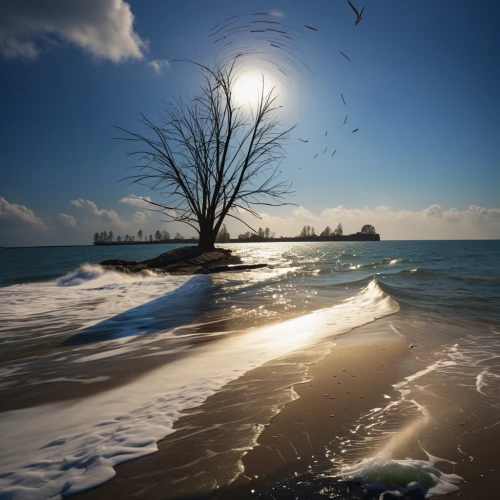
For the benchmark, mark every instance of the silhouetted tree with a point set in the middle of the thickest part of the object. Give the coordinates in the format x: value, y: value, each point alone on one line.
x: 260, y: 232
x: 127, y: 237
x: 110, y: 236
x: 223, y: 235
x: 210, y: 159
x: 312, y: 232
x: 306, y: 231
x: 339, y: 231
x: 96, y: 237
x: 119, y: 238
x: 368, y: 229
x: 267, y: 232
x: 165, y: 235
x: 326, y: 232
x: 245, y: 236
x: 150, y: 237
x: 139, y: 234
x: 179, y: 236
x: 157, y: 235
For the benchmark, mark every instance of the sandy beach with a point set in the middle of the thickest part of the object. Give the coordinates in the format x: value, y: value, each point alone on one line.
x: 219, y: 451
x: 354, y: 377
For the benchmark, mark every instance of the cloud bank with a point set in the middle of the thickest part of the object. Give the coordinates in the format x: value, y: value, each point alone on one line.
x: 15, y: 217
x: 19, y: 225
x: 103, y: 28
x: 431, y: 223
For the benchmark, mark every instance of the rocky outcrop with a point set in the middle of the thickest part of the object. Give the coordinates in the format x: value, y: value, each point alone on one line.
x: 185, y: 260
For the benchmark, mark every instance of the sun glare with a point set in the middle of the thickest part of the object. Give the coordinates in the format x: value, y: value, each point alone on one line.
x: 248, y: 88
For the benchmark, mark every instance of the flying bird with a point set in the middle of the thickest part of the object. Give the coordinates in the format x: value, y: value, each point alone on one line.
x: 326, y: 133
x: 310, y: 27
x: 358, y: 14
x: 334, y: 152
x: 343, y: 100
x: 345, y: 56
x: 355, y: 130
x: 325, y: 150
x: 316, y: 155
x: 303, y: 140
x: 345, y: 120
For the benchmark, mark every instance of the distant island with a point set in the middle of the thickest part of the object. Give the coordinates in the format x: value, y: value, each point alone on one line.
x: 346, y: 237
x: 367, y: 233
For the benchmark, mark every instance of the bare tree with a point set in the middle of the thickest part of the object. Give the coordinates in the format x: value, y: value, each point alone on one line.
x: 339, y: 231
x: 139, y: 234
x: 211, y: 158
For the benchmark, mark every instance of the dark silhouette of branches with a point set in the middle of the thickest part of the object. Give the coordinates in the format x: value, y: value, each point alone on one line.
x: 210, y: 158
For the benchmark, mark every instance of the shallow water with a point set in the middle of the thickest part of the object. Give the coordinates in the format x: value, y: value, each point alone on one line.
x: 65, y: 322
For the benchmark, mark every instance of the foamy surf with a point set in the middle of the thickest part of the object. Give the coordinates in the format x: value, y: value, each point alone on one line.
x: 465, y: 377
x: 82, y: 298
x: 401, y: 477
x: 73, y: 447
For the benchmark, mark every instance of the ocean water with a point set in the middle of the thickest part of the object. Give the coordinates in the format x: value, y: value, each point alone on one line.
x: 96, y: 366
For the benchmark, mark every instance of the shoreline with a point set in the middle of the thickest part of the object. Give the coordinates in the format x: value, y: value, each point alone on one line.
x: 188, y: 462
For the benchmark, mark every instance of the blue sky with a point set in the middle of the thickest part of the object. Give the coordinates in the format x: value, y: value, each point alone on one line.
x: 421, y: 87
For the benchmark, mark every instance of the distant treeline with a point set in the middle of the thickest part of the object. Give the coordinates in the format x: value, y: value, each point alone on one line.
x: 109, y: 237
x: 307, y: 233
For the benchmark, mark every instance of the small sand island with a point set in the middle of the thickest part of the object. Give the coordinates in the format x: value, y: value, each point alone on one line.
x: 185, y: 260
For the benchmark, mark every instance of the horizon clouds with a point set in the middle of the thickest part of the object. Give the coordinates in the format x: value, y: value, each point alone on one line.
x: 19, y: 225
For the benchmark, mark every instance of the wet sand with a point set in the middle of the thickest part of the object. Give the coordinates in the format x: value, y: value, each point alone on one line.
x: 350, y: 381
x: 265, y: 427
x: 203, y: 456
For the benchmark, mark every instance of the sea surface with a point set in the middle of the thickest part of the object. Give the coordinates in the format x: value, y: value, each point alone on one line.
x: 96, y: 367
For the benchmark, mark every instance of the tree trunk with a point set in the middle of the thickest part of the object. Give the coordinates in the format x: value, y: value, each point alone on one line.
x: 207, y: 236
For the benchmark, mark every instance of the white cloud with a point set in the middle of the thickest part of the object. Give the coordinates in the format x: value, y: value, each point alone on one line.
x: 107, y: 216
x: 433, y: 222
x: 103, y: 28
x: 136, y: 201
x: 140, y: 218
x: 67, y: 220
x: 433, y: 211
x: 19, y: 218
x: 158, y: 64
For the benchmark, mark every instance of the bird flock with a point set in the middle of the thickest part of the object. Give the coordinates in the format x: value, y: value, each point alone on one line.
x: 275, y: 43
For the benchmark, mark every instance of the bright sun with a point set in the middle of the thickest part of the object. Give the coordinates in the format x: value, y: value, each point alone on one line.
x: 248, y: 87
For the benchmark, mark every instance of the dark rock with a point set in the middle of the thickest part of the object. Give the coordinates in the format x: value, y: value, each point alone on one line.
x: 118, y: 262
x: 185, y: 260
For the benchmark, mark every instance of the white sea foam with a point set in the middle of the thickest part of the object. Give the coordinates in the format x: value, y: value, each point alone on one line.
x: 401, y: 477
x: 83, y: 298
x: 465, y: 376
x: 74, y: 446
